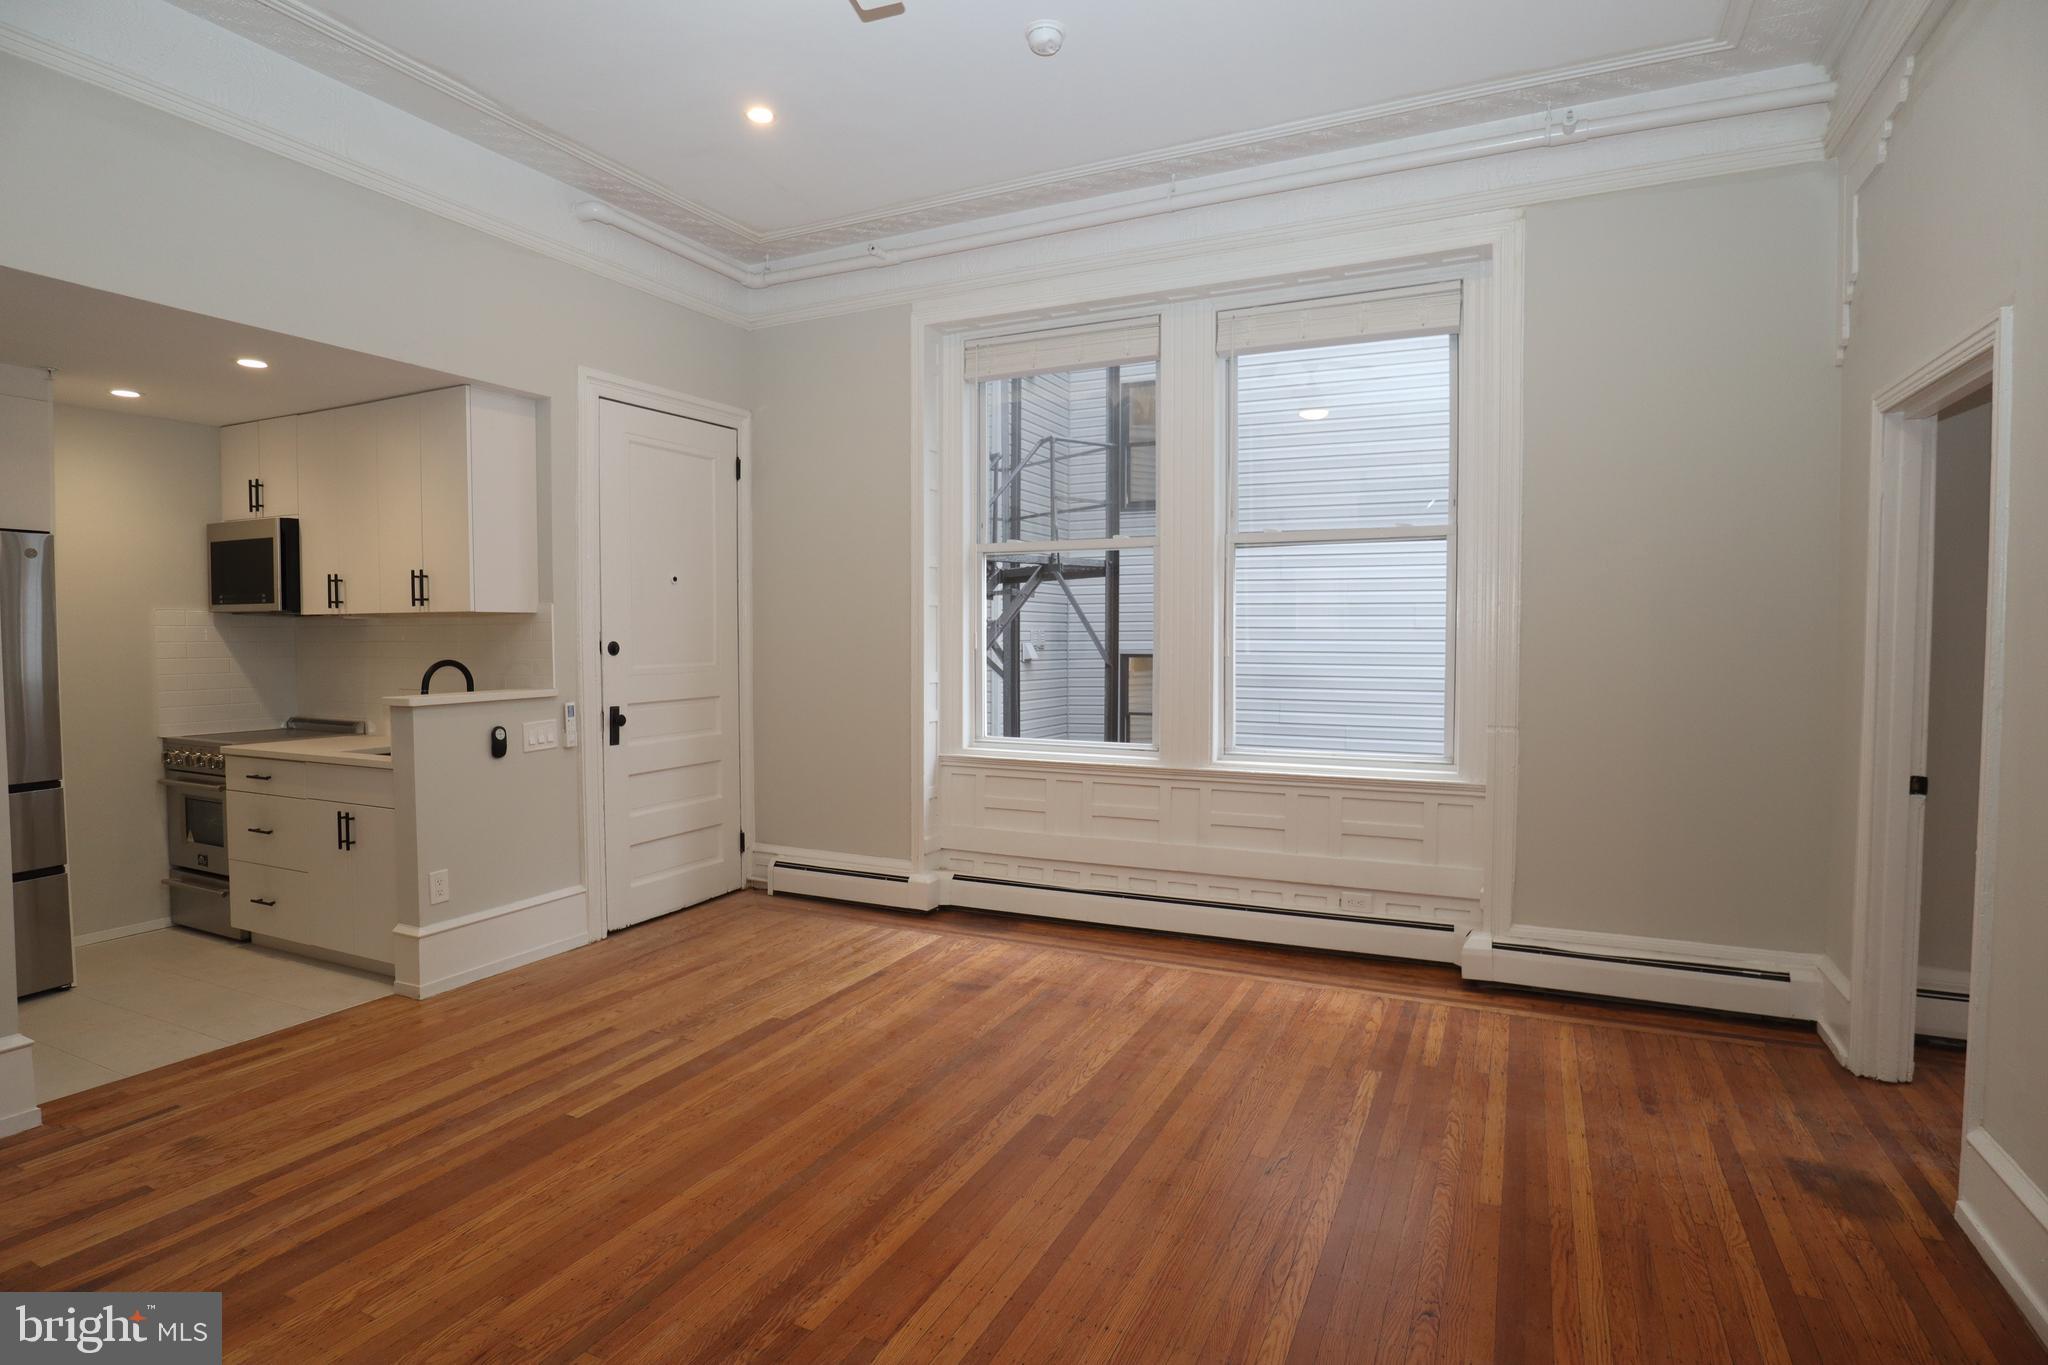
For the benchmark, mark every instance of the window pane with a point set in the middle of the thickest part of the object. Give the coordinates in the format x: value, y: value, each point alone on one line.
x: 1345, y: 437
x: 1341, y: 648
x: 1055, y: 662
x: 1069, y: 456
x: 1138, y: 698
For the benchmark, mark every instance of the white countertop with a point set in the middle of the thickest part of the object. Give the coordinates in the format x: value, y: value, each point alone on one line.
x: 471, y: 698
x: 349, y: 750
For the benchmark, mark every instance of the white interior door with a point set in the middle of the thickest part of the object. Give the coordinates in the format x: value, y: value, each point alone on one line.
x: 669, y: 505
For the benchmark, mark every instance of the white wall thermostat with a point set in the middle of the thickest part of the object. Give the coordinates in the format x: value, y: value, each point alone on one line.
x: 568, y: 725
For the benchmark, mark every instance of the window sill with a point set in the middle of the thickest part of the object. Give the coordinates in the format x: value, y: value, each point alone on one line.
x: 1233, y: 770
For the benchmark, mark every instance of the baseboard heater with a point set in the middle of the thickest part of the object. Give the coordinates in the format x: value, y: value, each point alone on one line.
x: 1701, y: 968
x: 841, y: 872
x: 1431, y: 925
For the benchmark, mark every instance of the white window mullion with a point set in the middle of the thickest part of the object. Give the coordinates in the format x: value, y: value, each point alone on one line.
x: 1190, y: 481
x: 1321, y: 536
x: 1015, y: 549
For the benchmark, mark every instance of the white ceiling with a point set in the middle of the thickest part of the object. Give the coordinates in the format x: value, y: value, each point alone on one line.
x: 182, y: 363
x: 942, y: 115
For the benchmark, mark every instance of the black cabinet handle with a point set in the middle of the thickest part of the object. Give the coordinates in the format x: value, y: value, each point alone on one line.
x: 344, y: 830
x: 617, y: 722
x: 423, y: 587
x: 252, y: 497
x: 254, y: 830
x: 258, y: 900
x: 259, y: 495
x: 257, y: 777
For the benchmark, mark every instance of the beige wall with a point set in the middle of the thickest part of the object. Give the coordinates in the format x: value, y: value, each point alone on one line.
x: 133, y: 494
x: 832, y: 668
x: 1954, y: 225
x: 1955, y: 695
x: 178, y: 215
x: 1680, y: 562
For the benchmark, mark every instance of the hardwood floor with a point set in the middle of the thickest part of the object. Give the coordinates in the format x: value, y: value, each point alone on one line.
x: 788, y: 1131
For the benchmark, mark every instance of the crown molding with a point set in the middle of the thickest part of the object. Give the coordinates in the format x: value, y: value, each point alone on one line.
x: 1871, y: 47
x: 1452, y: 191
x: 1741, y: 44
x: 663, y: 278
x: 344, y: 132
x: 1880, y: 56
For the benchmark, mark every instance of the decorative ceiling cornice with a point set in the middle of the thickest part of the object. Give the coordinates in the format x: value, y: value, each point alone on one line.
x: 1750, y: 33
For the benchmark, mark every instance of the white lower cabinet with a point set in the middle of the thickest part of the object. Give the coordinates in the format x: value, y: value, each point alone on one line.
x: 308, y: 870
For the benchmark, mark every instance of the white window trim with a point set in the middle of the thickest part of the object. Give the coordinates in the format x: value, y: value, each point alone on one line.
x: 1186, y: 287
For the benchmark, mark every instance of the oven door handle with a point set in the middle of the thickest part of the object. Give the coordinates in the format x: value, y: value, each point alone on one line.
x: 196, y: 786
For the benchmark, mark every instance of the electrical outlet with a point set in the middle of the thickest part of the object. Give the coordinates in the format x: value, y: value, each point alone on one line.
x: 541, y: 734
x: 437, y: 887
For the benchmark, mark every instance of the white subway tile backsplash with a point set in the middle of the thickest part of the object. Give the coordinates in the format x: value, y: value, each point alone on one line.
x: 248, y: 672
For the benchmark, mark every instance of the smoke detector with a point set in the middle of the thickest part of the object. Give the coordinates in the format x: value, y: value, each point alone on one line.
x: 1046, y: 36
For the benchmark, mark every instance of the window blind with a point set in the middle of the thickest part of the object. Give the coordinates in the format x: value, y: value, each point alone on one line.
x: 1068, y: 348
x: 1419, y: 310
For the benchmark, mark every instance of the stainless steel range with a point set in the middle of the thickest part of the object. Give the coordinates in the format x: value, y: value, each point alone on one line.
x: 195, y: 785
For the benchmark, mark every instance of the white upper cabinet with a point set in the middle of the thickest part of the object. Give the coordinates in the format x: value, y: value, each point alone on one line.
x: 418, y: 504
x: 259, y: 469
x: 337, y: 559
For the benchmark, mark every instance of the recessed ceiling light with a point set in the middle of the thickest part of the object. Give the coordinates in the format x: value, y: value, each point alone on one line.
x: 1314, y: 414
x: 761, y: 114
x: 250, y: 362
x: 124, y: 393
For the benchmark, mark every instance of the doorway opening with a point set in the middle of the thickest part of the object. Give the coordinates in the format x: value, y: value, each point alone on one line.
x: 1933, y: 705
x: 1953, y: 731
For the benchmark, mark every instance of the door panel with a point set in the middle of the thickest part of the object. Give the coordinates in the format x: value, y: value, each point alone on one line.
x: 277, y: 467
x: 397, y: 424
x: 671, y: 601
x: 444, y: 499
x: 337, y: 503
x: 238, y: 471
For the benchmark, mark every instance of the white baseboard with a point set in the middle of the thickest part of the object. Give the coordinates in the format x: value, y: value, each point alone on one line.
x: 1336, y: 933
x: 1832, y: 1017
x: 890, y: 882
x: 2006, y: 1215
x: 18, y: 1110
x: 1941, y: 1008
x: 1657, y: 971
x: 434, y: 958
x: 121, y: 931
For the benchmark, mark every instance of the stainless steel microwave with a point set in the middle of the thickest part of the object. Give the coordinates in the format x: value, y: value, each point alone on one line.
x: 253, y: 565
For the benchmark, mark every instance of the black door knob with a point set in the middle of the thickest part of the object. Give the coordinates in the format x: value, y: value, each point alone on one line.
x: 612, y: 649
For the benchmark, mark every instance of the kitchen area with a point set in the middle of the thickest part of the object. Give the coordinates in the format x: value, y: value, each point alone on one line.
x: 244, y: 580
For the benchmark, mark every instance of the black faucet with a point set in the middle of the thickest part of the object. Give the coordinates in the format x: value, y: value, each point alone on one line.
x: 427, y: 678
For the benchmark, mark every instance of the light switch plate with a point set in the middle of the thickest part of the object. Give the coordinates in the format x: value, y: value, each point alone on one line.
x: 437, y: 887
x: 541, y: 734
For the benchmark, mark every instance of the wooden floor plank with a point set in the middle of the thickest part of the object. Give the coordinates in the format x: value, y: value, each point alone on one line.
x: 784, y: 1130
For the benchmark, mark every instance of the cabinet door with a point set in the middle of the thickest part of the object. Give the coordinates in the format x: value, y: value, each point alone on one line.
x: 277, y: 467
x: 397, y: 426
x: 238, y: 471
x: 337, y: 511
x: 372, y: 882
x: 444, y: 499
x: 351, y: 877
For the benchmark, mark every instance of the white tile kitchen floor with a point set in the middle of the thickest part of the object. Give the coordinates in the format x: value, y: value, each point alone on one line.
x: 152, y: 999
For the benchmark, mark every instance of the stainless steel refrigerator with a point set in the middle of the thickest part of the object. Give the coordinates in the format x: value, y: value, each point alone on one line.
x: 35, y: 766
